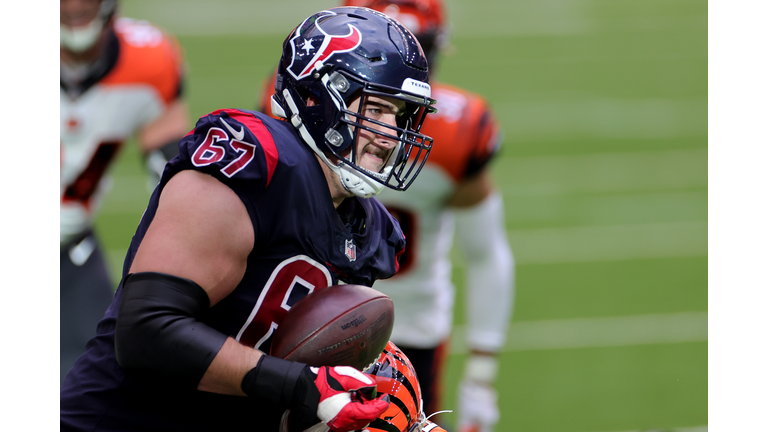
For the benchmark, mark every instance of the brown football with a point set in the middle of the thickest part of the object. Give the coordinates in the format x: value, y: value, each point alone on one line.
x: 340, y: 325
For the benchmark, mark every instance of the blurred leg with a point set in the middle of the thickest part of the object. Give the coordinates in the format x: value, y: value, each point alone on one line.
x: 429, y: 364
x: 86, y: 292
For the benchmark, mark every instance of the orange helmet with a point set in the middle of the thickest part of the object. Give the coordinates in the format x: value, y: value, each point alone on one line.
x: 396, y: 377
x: 424, y: 18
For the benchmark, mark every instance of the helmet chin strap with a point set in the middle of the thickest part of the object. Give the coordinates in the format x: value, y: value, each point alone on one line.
x: 81, y: 38
x: 353, y: 181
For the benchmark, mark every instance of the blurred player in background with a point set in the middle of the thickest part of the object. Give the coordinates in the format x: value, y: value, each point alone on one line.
x: 454, y: 191
x: 119, y: 78
x: 250, y: 217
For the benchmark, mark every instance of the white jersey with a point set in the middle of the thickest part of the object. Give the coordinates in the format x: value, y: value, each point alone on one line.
x: 142, y: 78
x: 465, y: 138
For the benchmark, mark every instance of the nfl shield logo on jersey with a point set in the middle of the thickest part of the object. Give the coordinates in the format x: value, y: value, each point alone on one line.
x: 350, y: 250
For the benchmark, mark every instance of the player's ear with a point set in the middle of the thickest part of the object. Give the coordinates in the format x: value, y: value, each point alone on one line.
x: 312, y: 101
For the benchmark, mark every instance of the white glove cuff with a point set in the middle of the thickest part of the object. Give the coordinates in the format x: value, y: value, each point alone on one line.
x: 481, y: 368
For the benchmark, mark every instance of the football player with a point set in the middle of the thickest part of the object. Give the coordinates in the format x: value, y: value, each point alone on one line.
x: 250, y: 217
x: 119, y: 78
x: 454, y: 192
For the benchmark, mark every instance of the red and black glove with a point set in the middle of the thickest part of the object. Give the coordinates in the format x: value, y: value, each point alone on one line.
x: 347, y: 398
x: 341, y: 396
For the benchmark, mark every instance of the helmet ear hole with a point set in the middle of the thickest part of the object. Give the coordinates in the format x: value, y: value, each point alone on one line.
x: 307, y: 97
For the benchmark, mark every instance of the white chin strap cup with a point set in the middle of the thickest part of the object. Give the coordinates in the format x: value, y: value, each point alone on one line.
x: 357, y: 182
x: 80, y: 39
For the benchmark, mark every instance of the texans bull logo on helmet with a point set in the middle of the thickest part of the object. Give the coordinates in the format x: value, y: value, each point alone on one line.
x: 308, y: 52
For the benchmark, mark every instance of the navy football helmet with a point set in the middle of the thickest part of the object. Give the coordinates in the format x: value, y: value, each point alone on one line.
x: 336, y: 56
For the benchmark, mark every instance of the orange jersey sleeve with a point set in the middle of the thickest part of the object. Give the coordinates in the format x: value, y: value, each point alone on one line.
x: 465, y: 131
x: 147, y: 56
x: 267, y: 90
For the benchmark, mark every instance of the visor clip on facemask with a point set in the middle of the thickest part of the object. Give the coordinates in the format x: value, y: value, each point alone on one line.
x: 334, y: 137
x: 339, y: 82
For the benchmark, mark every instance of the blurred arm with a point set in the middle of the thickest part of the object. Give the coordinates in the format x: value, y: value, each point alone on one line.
x: 159, y: 140
x: 482, y: 237
x: 489, y: 291
x: 172, y: 124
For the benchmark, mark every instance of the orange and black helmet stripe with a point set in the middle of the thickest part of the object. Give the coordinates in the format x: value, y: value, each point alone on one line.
x: 396, y: 377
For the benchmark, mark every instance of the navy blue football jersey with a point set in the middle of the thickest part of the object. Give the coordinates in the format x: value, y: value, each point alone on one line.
x: 302, y: 243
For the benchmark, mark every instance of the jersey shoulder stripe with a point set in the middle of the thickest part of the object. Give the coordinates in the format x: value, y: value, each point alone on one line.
x: 232, y: 145
x: 147, y: 56
x: 262, y: 134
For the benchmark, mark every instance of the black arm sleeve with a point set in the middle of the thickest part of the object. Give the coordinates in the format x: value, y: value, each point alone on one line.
x: 158, y: 327
x: 288, y: 383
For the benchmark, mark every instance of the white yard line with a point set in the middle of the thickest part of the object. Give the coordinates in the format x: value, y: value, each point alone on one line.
x: 536, y: 176
x: 600, y: 332
x: 662, y: 170
x: 605, y: 243
x: 542, y: 120
x: 665, y: 170
x: 609, y: 243
x: 586, y: 244
x: 679, y: 429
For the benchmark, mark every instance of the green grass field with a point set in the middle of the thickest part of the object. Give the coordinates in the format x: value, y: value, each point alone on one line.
x: 604, y: 175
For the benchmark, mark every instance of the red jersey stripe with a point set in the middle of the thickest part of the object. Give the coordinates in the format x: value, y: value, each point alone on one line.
x: 262, y: 134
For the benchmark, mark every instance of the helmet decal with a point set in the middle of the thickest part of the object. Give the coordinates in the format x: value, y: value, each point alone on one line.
x: 306, y: 55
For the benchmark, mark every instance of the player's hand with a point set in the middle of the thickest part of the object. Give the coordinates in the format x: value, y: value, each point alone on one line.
x: 342, y: 397
x: 347, y: 398
x: 478, y: 406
